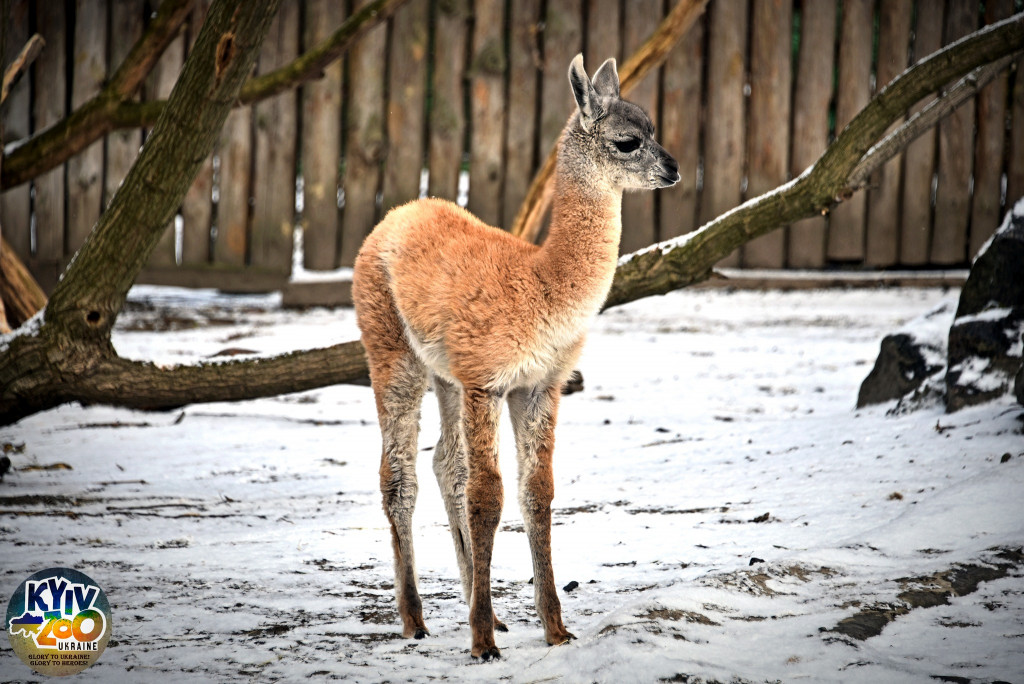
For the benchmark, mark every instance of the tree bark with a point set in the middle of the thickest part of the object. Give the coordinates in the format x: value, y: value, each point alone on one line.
x: 112, y: 109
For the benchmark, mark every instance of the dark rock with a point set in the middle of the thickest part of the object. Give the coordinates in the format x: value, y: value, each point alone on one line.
x: 985, y: 345
x: 908, y: 357
x: 1018, y: 385
x: 900, y: 368
x: 571, y: 586
x: 997, y: 277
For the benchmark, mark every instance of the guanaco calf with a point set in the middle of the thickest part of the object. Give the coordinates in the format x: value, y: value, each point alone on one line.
x: 488, y: 317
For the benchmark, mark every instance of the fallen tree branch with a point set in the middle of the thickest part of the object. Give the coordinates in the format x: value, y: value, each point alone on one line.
x: 688, y: 259
x: 651, y: 55
x: 111, y: 109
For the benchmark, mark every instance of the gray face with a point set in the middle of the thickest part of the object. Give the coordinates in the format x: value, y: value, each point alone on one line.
x: 628, y: 153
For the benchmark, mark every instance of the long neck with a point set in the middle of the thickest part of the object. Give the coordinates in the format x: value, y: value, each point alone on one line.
x: 582, y: 247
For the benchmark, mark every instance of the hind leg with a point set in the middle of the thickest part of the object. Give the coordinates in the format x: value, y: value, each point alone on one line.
x: 399, y: 381
x: 398, y: 408
x: 452, y: 471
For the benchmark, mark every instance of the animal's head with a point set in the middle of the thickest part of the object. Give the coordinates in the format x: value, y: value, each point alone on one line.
x: 617, y: 135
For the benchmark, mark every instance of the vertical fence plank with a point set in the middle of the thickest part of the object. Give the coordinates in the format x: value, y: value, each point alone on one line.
x: 365, y: 144
x: 919, y: 157
x: 883, y: 229
x: 89, y: 71
x: 563, y: 39
x: 771, y: 71
x: 273, y: 221
x: 197, y: 207
x: 524, y: 72
x: 122, y: 145
x: 15, y: 207
x: 406, y: 104
x: 956, y: 142
x: 48, y: 109
x: 487, y: 107
x: 321, y: 144
x: 680, y: 131
x: 603, y: 33
x: 1015, y: 169
x: 988, y: 151
x: 447, y: 114
x: 639, y: 222
x: 235, y: 153
x: 846, y: 225
x: 159, y: 86
x: 810, y: 120
x: 724, y: 133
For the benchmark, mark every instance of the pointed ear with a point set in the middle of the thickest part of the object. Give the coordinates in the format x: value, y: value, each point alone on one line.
x: 583, y: 91
x: 606, y: 80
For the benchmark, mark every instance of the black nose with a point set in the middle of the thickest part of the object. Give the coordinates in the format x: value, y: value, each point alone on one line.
x: 671, y: 166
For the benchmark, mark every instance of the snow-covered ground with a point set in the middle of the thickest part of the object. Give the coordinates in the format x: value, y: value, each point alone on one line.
x: 720, y: 501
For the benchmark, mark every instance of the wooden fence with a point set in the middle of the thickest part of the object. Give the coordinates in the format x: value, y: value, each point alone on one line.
x: 457, y: 93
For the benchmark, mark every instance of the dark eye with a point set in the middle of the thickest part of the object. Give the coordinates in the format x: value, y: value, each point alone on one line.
x: 627, y: 145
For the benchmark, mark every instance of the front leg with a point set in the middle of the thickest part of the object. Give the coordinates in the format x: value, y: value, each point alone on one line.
x: 534, y: 413
x: 480, y: 414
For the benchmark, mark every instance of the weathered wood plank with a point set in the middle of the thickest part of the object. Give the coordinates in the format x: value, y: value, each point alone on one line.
x: 158, y: 87
x: 487, y: 106
x: 447, y: 114
x: 231, y: 241
x: 768, y: 125
x: 126, y: 22
x: 680, y: 131
x: 406, y: 104
x: 603, y: 34
x: 919, y: 158
x: 846, y: 224
x: 197, y: 207
x: 15, y: 207
x: 321, y: 144
x: 986, y: 212
x: 276, y: 137
x: 811, y: 99
x: 365, y: 144
x: 89, y: 71
x: 48, y: 108
x: 524, y: 72
x: 883, y: 229
x: 725, y: 131
x: 562, y: 40
x: 1015, y: 169
x: 956, y: 144
x: 639, y: 220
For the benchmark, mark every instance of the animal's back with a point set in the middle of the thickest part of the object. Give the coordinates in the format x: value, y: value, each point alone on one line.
x: 455, y: 284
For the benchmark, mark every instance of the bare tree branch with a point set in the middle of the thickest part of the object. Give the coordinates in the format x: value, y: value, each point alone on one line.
x: 21, y: 63
x: 56, y: 144
x: 111, y: 109
x: 689, y: 259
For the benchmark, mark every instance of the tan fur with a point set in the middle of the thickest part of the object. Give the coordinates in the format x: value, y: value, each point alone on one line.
x: 439, y: 293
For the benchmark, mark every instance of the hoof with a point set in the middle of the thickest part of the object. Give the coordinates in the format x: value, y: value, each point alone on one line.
x: 420, y: 633
x: 500, y: 626
x: 562, y: 637
x: 489, y: 653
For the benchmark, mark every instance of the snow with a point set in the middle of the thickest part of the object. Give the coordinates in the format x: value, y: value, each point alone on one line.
x: 246, y: 540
